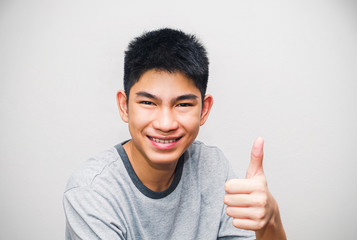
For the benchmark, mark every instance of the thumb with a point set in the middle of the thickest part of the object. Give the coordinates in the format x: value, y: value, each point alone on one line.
x: 256, y: 159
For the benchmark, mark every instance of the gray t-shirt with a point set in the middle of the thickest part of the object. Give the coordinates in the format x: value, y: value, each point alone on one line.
x: 104, y: 199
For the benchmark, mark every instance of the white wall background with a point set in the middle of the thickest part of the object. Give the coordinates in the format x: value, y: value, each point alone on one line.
x: 284, y: 70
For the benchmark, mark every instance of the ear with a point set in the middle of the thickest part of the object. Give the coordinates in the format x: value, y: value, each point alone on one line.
x: 122, y: 105
x: 206, y: 108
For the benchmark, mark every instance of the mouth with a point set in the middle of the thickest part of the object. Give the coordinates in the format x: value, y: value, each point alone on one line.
x: 164, y: 140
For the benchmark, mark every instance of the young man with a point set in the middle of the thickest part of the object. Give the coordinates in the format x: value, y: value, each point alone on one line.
x: 161, y: 184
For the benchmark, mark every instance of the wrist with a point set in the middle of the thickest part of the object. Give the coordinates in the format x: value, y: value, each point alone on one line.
x: 274, y: 228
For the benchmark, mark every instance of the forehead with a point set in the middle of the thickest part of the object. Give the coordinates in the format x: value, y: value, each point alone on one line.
x: 165, y: 84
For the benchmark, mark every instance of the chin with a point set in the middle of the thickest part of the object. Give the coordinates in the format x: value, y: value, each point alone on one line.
x: 164, y: 159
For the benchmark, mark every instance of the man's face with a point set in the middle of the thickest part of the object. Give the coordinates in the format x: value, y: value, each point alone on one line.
x: 164, y: 114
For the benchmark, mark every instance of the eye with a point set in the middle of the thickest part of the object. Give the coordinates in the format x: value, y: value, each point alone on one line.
x: 146, y: 103
x: 184, y: 105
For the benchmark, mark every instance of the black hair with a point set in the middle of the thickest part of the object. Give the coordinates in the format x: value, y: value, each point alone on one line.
x: 166, y: 49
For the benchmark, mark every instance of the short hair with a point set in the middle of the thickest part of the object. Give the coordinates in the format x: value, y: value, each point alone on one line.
x: 166, y: 49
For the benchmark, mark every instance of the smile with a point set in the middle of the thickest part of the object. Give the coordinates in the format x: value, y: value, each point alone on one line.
x: 164, y: 140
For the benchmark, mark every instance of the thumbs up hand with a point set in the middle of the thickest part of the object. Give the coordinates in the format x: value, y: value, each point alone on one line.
x: 249, y: 201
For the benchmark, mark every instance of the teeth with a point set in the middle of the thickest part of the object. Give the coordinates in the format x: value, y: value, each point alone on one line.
x: 163, y: 141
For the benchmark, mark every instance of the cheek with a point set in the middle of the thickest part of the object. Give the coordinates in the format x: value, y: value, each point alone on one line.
x: 190, y: 121
x: 135, y: 124
x: 139, y: 117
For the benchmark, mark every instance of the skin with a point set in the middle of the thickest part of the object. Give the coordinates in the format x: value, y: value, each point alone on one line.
x: 165, y: 106
x: 164, y: 113
x: 249, y: 201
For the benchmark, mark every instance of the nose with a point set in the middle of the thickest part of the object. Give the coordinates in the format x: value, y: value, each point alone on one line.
x: 165, y: 120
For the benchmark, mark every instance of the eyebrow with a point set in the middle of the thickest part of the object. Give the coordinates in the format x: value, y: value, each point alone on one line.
x: 186, y: 97
x: 179, y: 98
x: 146, y: 94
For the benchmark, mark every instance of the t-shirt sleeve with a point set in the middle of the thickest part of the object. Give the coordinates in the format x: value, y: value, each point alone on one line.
x: 227, y: 231
x: 90, y: 216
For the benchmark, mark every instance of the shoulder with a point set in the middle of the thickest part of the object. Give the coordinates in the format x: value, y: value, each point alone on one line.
x: 92, y: 168
x: 208, y: 160
x: 202, y: 152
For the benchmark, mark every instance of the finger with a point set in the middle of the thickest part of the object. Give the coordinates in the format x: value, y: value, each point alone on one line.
x: 235, y: 186
x: 256, y: 214
x: 256, y: 159
x: 238, y: 200
x: 246, y: 200
x: 248, y: 224
x: 245, y: 186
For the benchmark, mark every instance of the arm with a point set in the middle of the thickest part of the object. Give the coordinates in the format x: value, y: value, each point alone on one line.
x: 251, y: 204
x: 90, y: 216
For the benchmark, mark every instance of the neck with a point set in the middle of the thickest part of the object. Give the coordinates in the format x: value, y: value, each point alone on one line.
x: 156, y: 177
